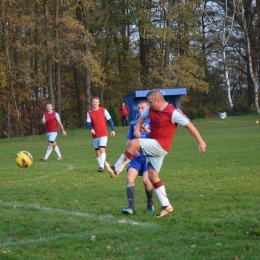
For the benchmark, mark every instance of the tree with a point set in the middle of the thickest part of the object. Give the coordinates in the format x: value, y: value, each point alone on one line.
x: 222, y: 28
x: 246, y: 23
x: 48, y: 53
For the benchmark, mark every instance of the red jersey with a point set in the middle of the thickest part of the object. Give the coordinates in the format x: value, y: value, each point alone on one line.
x: 162, y: 127
x: 124, y: 111
x: 98, y: 122
x: 51, y: 122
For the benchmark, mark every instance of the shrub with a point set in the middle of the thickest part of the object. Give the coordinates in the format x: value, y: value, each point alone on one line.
x: 240, y: 109
x: 113, y: 113
x: 202, y: 112
x: 190, y: 113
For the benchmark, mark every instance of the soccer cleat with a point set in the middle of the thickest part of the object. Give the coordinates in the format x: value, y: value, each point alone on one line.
x: 111, y: 169
x: 164, y: 211
x: 150, y: 208
x: 60, y: 159
x: 100, y: 169
x: 43, y: 159
x: 128, y: 211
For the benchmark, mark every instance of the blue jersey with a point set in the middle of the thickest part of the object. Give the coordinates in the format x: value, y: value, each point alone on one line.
x: 130, y: 135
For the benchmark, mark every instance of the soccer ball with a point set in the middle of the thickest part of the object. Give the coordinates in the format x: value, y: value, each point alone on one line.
x: 23, y: 159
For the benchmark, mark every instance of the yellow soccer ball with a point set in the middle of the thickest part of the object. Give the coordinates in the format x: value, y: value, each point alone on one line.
x: 257, y: 122
x: 23, y: 159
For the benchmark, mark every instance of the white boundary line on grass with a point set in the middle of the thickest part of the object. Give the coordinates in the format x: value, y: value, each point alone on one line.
x: 40, y: 240
x: 69, y: 168
x: 108, y: 218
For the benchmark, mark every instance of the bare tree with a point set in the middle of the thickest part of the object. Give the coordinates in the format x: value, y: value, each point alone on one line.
x: 225, y: 33
x: 252, y: 72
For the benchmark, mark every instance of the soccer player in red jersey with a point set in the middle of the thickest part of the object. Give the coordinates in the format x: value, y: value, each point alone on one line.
x: 97, y: 118
x: 164, y: 119
x: 50, y: 120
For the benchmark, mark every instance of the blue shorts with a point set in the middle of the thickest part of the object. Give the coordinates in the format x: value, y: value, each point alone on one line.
x: 100, y: 142
x: 139, y: 164
x: 52, y: 136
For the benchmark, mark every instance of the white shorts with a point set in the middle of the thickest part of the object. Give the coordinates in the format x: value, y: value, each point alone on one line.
x: 52, y: 136
x: 101, y: 141
x: 153, y: 151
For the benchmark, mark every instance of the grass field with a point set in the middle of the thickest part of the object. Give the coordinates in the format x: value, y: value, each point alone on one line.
x: 68, y: 210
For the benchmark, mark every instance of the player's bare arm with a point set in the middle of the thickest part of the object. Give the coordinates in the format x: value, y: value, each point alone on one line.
x: 201, y: 144
x: 145, y: 129
x: 138, y: 127
x: 62, y: 128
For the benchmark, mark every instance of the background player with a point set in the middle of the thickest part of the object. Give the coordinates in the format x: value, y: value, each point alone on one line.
x: 96, y: 122
x: 50, y: 120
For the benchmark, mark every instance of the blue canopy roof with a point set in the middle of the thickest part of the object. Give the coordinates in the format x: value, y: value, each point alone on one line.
x: 165, y: 92
x: 172, y: 96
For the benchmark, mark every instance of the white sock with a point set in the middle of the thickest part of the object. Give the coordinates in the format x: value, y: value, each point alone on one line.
x: 57, y: 151
x: 102, y: 159
x: 121, y: 163
x: 162, y: 197
x: 98, y: 161
x: 48, y: 152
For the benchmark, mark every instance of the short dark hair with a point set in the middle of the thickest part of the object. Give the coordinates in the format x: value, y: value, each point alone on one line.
x: 96, y: 98
x: 143, y: 101
x: 155, y: 93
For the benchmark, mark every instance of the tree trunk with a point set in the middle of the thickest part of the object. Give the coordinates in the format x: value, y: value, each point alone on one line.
x: 8, y: 115
x: 10, y: 83
x: 252, y: 72
x: 168, y: 37
x: 79, y: 95
x: 87, y: 74
x: 57, y: 59
x: 48, y: 53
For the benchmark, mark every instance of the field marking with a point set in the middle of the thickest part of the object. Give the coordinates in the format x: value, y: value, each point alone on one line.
x: 69, y: 168
x: 40, y: 240
x: 107, y: 217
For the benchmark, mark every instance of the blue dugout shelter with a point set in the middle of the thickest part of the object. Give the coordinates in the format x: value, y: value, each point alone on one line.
x: 172, y: 96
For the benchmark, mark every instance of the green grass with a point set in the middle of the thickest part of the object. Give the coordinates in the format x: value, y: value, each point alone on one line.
x: 68, y: 210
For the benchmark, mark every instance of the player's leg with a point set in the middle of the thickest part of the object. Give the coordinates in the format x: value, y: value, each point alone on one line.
x: 51, y: 138
x: 124, y: 159
x: 95, y: 142
x: 97, y: 151
x: 102, y: 148
x: 155, y: 154
x: 160, y: 192
x: 130, y: 191
x: 149, y: 191
x: 57, y: 151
